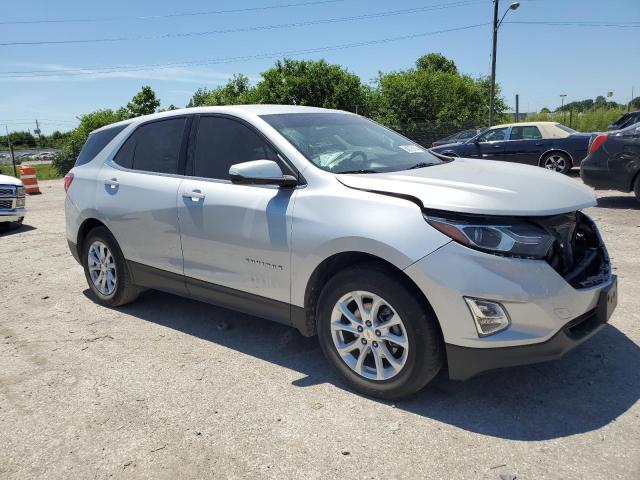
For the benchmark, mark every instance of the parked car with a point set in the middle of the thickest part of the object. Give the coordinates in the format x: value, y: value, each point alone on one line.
x: 457, y: 137
x: 12, y: 202
x: 614, y: 161
x: 397, y: 259
x: 625, y: 121
x: 546, y: 144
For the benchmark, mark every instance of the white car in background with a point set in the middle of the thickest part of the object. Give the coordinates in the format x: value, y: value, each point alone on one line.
x: 12, y: 202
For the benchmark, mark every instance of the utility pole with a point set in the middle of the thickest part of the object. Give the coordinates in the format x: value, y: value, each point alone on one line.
x: 37, y: 132
x: 517, y: 108
x: 13, y: 157
x: 629, y: 105
x: 496, y: 26
x: 492, y: 98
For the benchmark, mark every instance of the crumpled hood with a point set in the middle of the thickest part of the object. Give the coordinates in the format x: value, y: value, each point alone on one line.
x: 481, y: 186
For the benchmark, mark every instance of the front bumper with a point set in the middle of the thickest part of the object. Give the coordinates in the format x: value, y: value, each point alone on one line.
x: 12, y: 215
x: 465, y: 362
x: 542, y: 307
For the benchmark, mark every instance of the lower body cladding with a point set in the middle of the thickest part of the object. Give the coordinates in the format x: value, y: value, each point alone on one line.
x: 548, y: 317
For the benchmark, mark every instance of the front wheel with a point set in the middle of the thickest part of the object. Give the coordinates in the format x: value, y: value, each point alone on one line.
x: 557, y: 162
x: 377, y: 332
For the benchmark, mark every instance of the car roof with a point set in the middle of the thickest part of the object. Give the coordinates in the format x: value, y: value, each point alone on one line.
x: 252, y: 110
x: 526, y: 124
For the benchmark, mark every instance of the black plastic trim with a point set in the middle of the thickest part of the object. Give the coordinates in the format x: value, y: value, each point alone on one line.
x: 225, y: 297
x: 73, y: 248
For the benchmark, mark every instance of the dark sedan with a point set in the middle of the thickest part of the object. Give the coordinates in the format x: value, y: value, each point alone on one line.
x: 614, y: 161
x: 457, y: 137
x: 546, y: 144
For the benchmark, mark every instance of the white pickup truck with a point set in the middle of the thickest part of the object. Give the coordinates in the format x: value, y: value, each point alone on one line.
x: 12, y: 203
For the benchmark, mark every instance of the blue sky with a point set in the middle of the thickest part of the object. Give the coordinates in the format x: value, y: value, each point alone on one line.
x: 537, y: 61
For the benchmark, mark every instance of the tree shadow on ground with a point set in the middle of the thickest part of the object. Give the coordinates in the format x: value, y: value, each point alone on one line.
x: 586, y: 390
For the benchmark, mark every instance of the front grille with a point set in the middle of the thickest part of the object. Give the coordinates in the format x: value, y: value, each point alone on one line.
x: 6, y: 204
x: 578, y: 253
x: 7, y: 191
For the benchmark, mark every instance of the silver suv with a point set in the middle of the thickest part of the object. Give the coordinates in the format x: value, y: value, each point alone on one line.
x: 398, y: 259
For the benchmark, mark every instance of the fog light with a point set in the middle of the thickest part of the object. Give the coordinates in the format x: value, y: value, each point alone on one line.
x: 489, y: 317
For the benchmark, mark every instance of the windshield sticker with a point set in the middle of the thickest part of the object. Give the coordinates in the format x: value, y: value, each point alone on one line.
x: 411, y: 148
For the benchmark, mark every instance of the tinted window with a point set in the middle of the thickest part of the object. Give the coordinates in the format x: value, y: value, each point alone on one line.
x: 565, y: 128
x: 124, y: 157
x: 158, y: 145
x: 494, y: 135
x: 222, y: 142
x: 525, y: 133
x: 96, y: 142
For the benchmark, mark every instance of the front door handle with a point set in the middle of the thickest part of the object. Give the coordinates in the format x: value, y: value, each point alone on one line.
x: 194, y: 195
x: 497, y: 146
x: 112, y: 183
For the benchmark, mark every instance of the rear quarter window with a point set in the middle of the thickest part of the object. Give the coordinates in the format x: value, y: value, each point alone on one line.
x: 96, y: 142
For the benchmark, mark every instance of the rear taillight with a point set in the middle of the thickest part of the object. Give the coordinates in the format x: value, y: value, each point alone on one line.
x: 597, y: 142
x: 68, y: 178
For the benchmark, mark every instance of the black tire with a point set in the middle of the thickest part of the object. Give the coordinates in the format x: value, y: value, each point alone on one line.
x: 636, y: 187
x: 125, y: 291
x: 425, y: 355
x: 565, y: 158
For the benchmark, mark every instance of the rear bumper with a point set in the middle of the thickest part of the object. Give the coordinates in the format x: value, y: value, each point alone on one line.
x: 466, y: 362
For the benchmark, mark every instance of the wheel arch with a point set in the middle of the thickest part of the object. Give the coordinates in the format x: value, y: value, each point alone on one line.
x: 86, y: 226
x: 339, y: 261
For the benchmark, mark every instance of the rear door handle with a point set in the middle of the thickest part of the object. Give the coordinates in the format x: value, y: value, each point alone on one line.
x: 497, y: 146
x: 112, y: 182
x: 194, y: 195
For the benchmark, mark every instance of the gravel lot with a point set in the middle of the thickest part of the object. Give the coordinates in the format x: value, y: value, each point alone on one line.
x: 168, y: 387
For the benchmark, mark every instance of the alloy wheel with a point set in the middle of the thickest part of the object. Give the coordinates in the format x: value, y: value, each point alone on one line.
x: 369, y: 335
x: 102, y: 268
x: 557, y: 163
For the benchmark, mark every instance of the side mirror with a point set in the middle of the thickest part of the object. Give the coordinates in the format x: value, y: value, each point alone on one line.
x: 260, y: 172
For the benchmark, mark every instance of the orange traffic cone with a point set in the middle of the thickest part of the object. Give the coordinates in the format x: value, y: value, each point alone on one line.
x: 29, y: 180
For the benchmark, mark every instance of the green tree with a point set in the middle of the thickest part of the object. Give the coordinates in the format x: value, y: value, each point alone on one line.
x: 308, y: 82
x: 143, y: 103
x: 435, y: 100
x: 237, y: 91
x: 545, y: 110
x: 199, y: 97
x: 436, y: 62
x: 635, y: 103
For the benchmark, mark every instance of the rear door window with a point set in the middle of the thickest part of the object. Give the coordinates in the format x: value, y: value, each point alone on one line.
x: 96, y: 142
x: 222, y: 142
x: 154, y: 147
x: 525, y: 133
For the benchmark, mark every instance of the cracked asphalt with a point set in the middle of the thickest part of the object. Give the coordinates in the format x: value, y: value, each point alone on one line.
x: 171, y: 388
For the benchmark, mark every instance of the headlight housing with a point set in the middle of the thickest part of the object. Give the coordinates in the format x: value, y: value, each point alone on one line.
x: 500, y: 236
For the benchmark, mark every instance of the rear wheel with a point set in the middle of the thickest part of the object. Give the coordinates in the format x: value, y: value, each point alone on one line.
x: 557, y: 162
x: 377, y: 333
x: 106, y: 270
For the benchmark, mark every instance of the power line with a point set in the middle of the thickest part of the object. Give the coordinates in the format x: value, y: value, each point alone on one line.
x: 388, y: 13
x: 171, y: 15
x: 580, y: 24
x: 214, y: 61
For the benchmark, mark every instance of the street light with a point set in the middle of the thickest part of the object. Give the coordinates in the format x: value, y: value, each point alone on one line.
x: 496, y: 26
x: 562, y: 95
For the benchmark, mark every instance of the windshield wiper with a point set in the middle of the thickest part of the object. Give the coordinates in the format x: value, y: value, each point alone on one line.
x: 420, y: 165
x: 360, y: 171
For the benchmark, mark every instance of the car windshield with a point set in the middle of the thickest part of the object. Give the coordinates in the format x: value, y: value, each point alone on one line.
x: 565, y: 128
x: 345, y: 143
